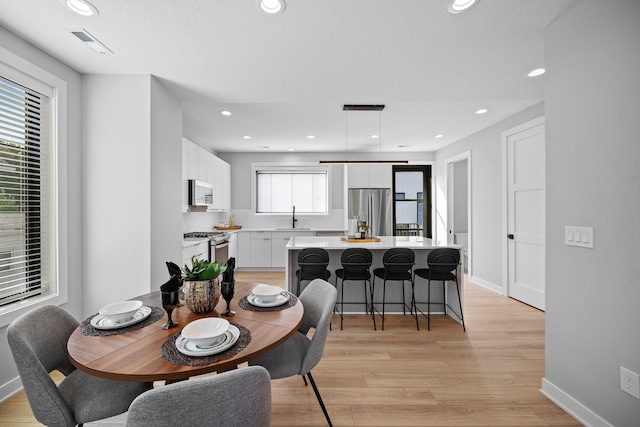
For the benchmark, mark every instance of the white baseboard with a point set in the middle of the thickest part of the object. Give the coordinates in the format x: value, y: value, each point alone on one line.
x: 485, y: 284
x: 574, y: 408
x: 8, y: 389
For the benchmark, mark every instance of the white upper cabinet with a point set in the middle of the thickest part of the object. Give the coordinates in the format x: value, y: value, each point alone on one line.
x: 226, y: 185
x: 185, y: 175
x: 198, y: 163
x: 369, y: 176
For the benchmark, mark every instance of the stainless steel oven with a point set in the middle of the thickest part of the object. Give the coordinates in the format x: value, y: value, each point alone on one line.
x: 218, y: 244
x: 219, y: 252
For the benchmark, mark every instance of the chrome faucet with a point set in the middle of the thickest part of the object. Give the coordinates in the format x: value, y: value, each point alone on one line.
x: 293, y: 217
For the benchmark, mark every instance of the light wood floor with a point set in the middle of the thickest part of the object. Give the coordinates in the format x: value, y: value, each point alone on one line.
x: 488, y: 376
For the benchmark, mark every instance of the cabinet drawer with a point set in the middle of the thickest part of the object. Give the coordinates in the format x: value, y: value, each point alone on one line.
x: 260, y: 234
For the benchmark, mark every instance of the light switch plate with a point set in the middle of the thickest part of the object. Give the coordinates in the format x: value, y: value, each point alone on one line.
x: 578, y: 236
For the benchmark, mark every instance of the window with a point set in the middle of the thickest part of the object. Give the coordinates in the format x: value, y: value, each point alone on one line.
x: 410, y: 184
x: 25, y: 192
x: 278, y: 189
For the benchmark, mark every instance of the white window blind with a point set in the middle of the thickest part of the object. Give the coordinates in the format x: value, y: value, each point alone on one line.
x: 279, y: 190
x: 24, y: 193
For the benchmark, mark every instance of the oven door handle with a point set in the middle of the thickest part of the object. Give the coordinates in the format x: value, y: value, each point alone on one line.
x: 221, y: 245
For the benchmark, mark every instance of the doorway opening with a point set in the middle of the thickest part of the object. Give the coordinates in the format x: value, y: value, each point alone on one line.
x: 412, y: 200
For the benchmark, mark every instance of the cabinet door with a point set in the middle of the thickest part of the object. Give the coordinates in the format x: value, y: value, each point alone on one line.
x: 380, y: 176
x: 261, y: 251
x: 215, y: 179
x: 226, y: 185
x: 279, y: 251
x: 194, y: 154
x: 243, y: 257
x: 185, y: 175
x: 203, y: 164
x: 233, y: 246
x: 358, y: 176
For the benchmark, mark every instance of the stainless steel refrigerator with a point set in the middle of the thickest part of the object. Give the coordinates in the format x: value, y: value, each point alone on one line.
x: 374, y: 206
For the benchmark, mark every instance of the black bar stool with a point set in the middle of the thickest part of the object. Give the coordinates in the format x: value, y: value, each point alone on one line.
x: 356, y: 263
x: 313, y: 264
x: 398, y: 265
x: 442, y: 266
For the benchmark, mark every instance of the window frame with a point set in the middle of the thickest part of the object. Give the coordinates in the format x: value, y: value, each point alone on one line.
x: 16, y: 68
x: 257, y: 167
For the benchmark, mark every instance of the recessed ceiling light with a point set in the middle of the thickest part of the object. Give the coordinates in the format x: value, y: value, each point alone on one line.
x: 482, y: 111
x: 537, y: 72
x: 81, y: 7
x: 310, y: 136
x: 289, y: 149
x: 375, y: 136
x: 459, y: 6
x: 272, y: 7
x: 439, y: 135
x: 246, y: 137
x: 225, y: 113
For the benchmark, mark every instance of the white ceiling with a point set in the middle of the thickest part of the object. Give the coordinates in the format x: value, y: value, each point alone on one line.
x: 287, y: 76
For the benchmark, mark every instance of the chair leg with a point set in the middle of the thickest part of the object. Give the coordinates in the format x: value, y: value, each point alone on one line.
x: 428, y: 304
x: 373, y: 315
x: 460, y: 302
x: 341, y: 303
x: 384, y: 294
x: 315, y: 389
x: 413, y: 303
x: 305, y: 380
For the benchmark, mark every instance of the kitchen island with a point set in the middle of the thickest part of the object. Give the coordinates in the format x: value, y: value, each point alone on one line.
x: 353, y: 290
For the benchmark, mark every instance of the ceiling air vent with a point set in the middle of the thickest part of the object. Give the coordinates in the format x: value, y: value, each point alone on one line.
x: 84, y: 36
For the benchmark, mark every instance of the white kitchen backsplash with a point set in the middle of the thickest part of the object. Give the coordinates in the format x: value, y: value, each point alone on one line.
x: 247, y: 219
x: 202, y: 221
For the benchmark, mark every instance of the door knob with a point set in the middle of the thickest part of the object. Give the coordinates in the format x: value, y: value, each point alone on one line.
x: 510, y: 236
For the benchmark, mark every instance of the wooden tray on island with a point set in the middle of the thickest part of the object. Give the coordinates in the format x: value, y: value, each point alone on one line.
x: 369, y: 240
x: 235, y: 227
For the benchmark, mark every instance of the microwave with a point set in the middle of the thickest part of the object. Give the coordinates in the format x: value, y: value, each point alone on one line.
x: 200, y: 193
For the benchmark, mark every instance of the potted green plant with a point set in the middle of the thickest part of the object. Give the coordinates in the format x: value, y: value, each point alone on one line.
x: 202, y: 284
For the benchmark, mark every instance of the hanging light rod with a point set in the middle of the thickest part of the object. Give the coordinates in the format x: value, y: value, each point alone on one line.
x: 362, y: 107
x: 346, y: 162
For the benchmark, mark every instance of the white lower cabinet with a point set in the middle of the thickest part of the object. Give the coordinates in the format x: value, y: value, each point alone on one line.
x: 265, y: 249
x: 260, y: 249
x: 201, y: 251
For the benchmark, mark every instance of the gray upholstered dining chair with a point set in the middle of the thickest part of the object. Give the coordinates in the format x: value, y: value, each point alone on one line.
x: 300, y: 354
x: 38, y: 341
x: 240, y: 397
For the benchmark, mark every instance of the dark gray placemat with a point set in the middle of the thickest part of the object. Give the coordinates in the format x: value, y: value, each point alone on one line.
x: 172, y: 355
x: 86, y: 328
x: 246, y: 305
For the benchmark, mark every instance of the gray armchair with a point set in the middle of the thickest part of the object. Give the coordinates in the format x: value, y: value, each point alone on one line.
x: 38, y: 341
x: 236, y: 398
x: 299, y: 354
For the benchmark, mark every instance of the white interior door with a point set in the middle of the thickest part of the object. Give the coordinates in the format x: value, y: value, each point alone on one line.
x: 525, y: 155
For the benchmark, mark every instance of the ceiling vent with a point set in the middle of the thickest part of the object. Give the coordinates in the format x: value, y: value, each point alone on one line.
x: 84, y: 36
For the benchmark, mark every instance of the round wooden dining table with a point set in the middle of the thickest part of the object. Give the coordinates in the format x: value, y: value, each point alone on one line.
x: 136, y: 355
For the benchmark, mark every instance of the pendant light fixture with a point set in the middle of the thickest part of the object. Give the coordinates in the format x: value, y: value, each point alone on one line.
x: 363, y: 107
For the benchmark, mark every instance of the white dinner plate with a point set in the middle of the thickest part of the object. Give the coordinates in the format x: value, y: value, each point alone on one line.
x: 280, y: 299
x: 188, y: 348
x: 101, y: 322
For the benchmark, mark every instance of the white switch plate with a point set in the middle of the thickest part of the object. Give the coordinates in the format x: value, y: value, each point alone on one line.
x: 629, y: 382
x: 578, y: 236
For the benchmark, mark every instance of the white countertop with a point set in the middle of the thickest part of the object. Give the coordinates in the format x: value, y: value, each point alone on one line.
x: 386, y: 242
x: 293, y: 229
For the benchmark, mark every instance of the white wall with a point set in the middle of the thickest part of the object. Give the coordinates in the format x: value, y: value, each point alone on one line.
x: 593, y: 180
x: 132, y: 210
x: 70, y: 196
x: 486, y: 195
x: 166, y: 182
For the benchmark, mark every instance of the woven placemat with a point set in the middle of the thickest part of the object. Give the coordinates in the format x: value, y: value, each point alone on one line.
x: 246, y: 305
x: 86, y: 328
x: 172, y: 355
